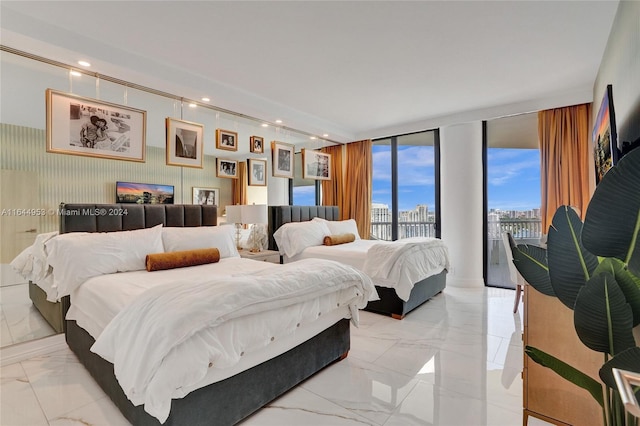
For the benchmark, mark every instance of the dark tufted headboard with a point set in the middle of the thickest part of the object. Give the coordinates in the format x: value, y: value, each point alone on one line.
x: 279, y: 215
x: 126, y: 217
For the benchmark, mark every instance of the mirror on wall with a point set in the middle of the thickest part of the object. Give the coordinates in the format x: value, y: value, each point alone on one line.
x: 34, y: 180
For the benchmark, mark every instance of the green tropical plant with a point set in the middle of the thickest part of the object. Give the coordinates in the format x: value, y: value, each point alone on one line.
x: 594, y: 269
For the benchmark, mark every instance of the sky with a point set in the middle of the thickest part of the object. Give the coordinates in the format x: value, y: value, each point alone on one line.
x: 513, y: 178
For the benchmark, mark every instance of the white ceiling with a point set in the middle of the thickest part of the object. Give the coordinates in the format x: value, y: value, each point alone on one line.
x: 352, y: 69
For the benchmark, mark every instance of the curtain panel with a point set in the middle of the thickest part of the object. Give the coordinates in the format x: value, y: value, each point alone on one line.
x: 564, y: 160
x: 332, y: 190
x: 239, y: 185
x: 358, y: 185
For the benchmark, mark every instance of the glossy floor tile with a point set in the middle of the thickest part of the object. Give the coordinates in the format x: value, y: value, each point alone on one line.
x: 20, y: 321
x: 455, y: 361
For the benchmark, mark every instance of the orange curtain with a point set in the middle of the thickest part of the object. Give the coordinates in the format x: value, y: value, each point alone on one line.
x: 564, y: 160
x: 332, y: 189
x: 356, y: 200
x: 239, y: 185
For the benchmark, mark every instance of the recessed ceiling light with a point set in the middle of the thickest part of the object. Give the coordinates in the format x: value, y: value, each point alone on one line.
x: 192, y: 105
x: 75, y: 73
x: 206, y: 99
x: 84, y: 63
x: 265, y: 125
x: 278, y: 121
x: 326, y: 135
x: 313, y: 138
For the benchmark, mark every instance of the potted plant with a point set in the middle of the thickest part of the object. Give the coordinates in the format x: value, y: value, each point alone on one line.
x: 594, y: 269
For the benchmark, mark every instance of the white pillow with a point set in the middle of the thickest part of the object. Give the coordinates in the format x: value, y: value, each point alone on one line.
x: 292, y: 238
x: 76, y: 257
x: 190, y: 238
x: 337, y: 227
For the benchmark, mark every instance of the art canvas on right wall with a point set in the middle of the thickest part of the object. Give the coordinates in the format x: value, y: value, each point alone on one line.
x: 605, y: 137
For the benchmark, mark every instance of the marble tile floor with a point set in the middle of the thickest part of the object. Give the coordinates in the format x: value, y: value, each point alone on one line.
x: 20, y: 321
x: 455, y: 361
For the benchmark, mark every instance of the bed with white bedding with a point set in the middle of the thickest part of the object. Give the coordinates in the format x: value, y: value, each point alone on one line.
x: 406, y: 272
x: 218, y: 340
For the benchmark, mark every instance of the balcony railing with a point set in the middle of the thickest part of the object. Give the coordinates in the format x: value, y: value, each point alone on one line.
x: 519, y: 228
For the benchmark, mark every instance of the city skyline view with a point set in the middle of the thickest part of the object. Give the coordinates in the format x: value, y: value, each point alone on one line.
x: 513, y: 179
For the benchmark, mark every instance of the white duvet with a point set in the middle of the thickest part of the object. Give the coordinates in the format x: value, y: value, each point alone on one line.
x: 157, y: 349
x: 395, y: 264
x: 33, y: 266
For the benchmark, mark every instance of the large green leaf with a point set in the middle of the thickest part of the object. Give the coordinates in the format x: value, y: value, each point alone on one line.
x: 568, y: 372
x: 602, y: 317
x: 531, y: 262
x: 612, y: 221
x: 627, y: 360
x: 629, y: 283
x: 570, y: 264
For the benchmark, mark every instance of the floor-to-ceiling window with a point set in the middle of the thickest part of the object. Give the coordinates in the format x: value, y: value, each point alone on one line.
x: 405, y: 186
x: 512, y: 190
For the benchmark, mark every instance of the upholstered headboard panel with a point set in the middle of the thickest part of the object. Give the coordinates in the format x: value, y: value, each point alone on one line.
x: 279, y: 215
x: 125, y: 217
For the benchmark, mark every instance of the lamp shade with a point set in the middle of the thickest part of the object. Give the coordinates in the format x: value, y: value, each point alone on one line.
x: 254, y: 213
x: 234, y: 214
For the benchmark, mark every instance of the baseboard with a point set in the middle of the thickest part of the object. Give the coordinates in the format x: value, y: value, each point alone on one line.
x: 23, y: 351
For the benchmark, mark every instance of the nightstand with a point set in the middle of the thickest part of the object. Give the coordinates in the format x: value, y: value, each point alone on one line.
x: 262, y: 256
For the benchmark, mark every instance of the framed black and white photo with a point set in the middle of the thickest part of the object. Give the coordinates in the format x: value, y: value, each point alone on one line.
x: 226, y: 168
x: 206, y: 196
x: 257, y: 172
x: 226, y: 139
x: 282, y: 159
x: 93, y: 128
x: 316, y: 165
x: 256, y: 144
x: 184, y: 143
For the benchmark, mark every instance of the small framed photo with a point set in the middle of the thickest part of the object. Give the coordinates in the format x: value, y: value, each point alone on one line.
x: 282, y: 160
x: 316, y: 165
x: 184, y: 143
x: 93, y: 128
x: 206, y: 196
x: 226, y: 139
x: 256, y: 144
x: 226, y: 168
x: 257, y: 172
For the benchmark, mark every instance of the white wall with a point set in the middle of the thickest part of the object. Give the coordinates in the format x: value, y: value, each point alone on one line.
x: 461, y: 202
x: 620, y: 67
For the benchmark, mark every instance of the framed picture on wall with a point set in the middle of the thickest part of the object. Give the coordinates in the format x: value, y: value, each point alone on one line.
x: 93, y: 128
x: 206, y: 196
x: 316, y: 165
x: 256, y: 144
x: 257, y: 172
x: 226, y: 139
x: 184, y: 143
x: 282, y: 159
x: 144, y: 193
x: 226, y: 168
x: 605, y: 137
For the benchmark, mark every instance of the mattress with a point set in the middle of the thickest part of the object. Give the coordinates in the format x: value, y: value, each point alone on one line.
x: 410, y: 269
x: 100, y: 299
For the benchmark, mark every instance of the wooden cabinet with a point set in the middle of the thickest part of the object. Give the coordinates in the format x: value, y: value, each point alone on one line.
x: 548, y: 325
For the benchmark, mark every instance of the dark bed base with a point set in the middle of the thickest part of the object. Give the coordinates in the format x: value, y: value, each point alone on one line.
x: 52, y: 312
x: 232, y: 399
x: 391, y: 304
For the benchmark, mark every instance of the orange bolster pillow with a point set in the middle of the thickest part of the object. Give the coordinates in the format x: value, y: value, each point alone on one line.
x: 332, y: 240
x: 180, y: 259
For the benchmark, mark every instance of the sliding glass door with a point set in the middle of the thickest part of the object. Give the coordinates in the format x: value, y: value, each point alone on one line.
x: 513, y: 190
